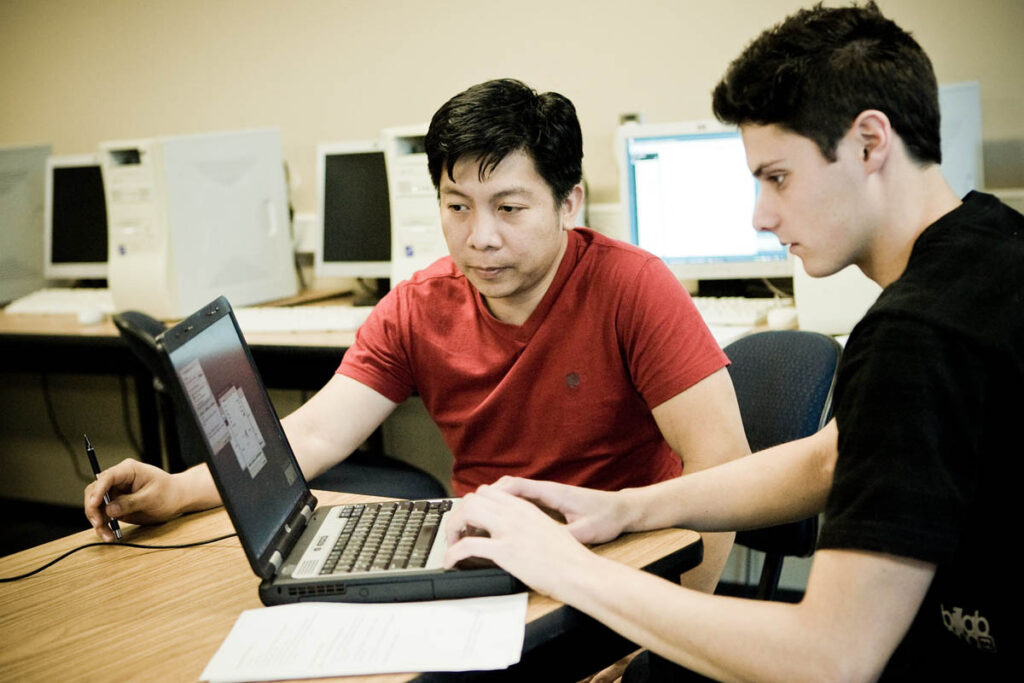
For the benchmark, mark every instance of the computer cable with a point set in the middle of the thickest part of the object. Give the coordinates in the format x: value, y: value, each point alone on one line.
x: 296, y: 260
x: 51, y: 413
x: 126, y: 418
x: 144, y: 546
x: 776, y: 290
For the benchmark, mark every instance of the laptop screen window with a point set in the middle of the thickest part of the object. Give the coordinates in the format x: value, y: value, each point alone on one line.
x: 235, y: 416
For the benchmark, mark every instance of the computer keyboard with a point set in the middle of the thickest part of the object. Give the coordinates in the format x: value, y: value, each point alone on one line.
x: 320, y: 318
x: 380, y: 536
x: 63, y: 300
x: 737, y: 311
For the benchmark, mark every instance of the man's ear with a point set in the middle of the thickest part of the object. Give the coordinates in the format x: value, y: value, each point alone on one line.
x: 874, y: 135
x: 571, y: 207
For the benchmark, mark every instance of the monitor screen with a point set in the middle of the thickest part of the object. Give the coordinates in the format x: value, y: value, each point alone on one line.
x: 353, y: 211
x: 689, y: 199
x: 75, y: 217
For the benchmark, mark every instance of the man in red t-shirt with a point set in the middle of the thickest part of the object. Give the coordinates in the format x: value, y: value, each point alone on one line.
x: 539, y: 349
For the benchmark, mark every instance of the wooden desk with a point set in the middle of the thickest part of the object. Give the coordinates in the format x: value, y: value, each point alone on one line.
x: 59, y: 343
x: 112, y: 614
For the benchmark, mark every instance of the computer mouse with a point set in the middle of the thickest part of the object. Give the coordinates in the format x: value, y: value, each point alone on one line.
x: 90, y: 316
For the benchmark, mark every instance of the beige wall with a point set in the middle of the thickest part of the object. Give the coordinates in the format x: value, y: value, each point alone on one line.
x: 76, y: 73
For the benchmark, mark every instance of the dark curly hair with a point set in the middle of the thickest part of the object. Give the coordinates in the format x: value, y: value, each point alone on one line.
x: 491, y: 120
x: 815, y: 72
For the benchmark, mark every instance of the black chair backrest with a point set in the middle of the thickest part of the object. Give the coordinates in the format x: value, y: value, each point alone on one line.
x: 183, y: 443
x: 139, y: 332
x: 783, y: 381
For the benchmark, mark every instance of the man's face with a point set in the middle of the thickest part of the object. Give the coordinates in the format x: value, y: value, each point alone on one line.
x: 505, y: 232
x: 815, y: 206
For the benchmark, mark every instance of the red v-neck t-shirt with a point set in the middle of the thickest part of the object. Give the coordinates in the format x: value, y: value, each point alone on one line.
x: 567, y: 396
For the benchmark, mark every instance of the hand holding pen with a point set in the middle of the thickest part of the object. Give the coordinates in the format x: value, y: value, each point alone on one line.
x: 114, y: 526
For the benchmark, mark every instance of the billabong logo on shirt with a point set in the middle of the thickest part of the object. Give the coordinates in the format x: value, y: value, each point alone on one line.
x: 973, y: 628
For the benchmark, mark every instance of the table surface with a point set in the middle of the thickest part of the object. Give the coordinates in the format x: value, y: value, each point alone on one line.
x: 68, y: 326
x: 117, y: 613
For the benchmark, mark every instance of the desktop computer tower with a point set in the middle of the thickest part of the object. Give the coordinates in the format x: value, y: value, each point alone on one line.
x: 416, y: 236
x: 194, y: 217
x: 22, y: 185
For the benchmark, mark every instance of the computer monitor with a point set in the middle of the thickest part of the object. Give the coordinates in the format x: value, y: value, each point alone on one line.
x: 689, y: 199
x: 353, y: 211
x: 22, y: 171
x: 75, y: 219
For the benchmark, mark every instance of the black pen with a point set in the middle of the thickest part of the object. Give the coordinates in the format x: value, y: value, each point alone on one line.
x: 114, y: 526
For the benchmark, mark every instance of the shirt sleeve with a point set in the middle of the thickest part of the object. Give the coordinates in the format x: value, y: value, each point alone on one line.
x: 378, y: 358
x: 668, y: 346
x: 907, y: 402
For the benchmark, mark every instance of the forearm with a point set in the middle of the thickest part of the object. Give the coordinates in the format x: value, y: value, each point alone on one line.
x: 196, y: 489
x: 857, y: 607
x: 330, y: 426
x: 781, y: 484
x: 705, y: 576
x: 725, y: 638
x: 315, y: 453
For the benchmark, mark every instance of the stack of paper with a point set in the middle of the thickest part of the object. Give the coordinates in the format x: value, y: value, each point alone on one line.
x: 316, y: 639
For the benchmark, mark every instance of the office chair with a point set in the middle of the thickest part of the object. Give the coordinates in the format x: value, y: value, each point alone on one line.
x: 783, y: 381
x: 182, y: 443
x: 373, y: 474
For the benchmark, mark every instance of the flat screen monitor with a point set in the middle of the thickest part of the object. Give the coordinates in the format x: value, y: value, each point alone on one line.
x: 353, y: 211
x: 22, y: 181
x: 689, y: 198
x: 75, y: 219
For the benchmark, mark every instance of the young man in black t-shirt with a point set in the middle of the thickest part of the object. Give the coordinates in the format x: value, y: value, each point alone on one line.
x: 839, y: 113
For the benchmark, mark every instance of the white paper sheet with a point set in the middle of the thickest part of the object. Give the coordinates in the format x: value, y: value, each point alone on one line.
x: 319, y: 639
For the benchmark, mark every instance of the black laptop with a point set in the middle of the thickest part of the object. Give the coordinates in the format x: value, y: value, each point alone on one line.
x: 371, y: 552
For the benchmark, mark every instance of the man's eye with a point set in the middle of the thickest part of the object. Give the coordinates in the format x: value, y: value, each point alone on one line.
x: 505, y: 208
x: 777, y: 179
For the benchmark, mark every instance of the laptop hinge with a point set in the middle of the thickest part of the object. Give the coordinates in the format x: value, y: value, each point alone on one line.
x: 276, y: 560
x: 288, y: 535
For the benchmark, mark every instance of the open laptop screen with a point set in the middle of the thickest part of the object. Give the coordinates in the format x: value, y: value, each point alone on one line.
x: 254, y: 463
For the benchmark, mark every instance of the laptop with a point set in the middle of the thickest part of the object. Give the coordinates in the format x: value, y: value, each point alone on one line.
x: 298, y: 549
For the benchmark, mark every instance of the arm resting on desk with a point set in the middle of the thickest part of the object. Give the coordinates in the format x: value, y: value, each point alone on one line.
x: 144, y: 494
x: 857, y: 607
x: 322, y: 432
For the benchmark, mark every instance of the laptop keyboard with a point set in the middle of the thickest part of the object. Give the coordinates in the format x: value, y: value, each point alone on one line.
x: 379, y: 536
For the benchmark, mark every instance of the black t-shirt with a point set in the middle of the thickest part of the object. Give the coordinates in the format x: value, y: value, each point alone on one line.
x: 929, y: 405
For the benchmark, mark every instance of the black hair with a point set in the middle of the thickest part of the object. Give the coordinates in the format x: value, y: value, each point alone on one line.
x: 817, y: 70
x: 491, y: 120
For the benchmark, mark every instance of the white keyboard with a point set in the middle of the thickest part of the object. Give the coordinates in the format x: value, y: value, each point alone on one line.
x: 323, y: 318
x: 737, y: 311
x: 63, y: 300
